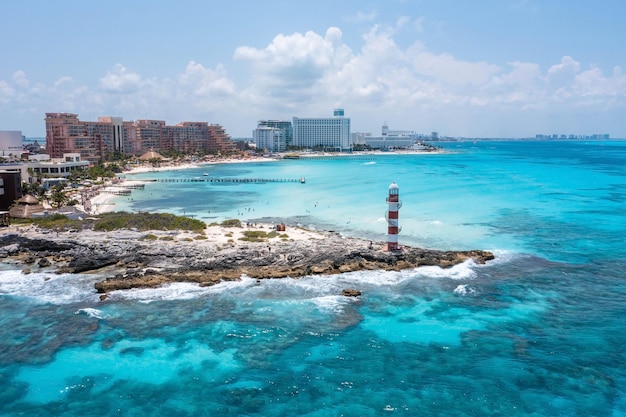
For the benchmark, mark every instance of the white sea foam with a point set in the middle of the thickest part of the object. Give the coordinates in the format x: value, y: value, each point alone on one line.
x: 49, y: 288
x: 463, y: 270
x: 331, y: 303
x: 69, y: 288
x: 93, y: 312
x: 465, y: 289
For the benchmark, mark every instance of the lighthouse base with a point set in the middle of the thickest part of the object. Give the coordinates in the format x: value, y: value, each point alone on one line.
x: 392, y: 248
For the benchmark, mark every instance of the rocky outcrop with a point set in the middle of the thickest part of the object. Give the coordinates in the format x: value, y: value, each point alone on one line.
x: 140, y: 263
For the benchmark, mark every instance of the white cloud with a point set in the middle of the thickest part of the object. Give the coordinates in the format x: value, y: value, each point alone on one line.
x: 6, y: 92
x: 362, y: 16
x: 120, y: 80
x: 206, y: 82
x: 20, y: 80
x: 309, y: 74
x: 63, y: 80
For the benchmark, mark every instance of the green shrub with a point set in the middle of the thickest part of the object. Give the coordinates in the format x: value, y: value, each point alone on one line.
x: 231, y: 223
x: 57, y: 221
x: 254, y: 236
x: 147, y: 221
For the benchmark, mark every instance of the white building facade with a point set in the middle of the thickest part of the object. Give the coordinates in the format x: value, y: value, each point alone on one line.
x: 331, y: 133
x: 11, y: 143
x: 389, y: 139
x: 270, y: 139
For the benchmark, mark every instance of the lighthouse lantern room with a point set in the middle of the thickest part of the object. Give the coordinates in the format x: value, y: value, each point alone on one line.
x: 393, y: 206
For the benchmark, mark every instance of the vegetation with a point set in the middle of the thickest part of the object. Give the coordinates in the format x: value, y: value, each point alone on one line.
x: 57, y: 222
x: 99, y: 170
x: 147, y: 221
x: 33, y: 189
x: 257, y: 235
x: 58, y: 198
x: 231, y: 223
x: 123, y: 220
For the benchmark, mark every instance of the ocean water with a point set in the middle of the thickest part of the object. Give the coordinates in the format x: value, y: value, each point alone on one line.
x: 538, y: 332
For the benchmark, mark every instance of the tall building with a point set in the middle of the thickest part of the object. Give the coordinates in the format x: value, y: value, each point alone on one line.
x: 94, y: 141
x: 270, y: 139
x: 11, y: 143
x: 331, y: 133
x: 273, y: 135
x: 280, y: 124
x: 148, y: 135
x: 100, y: 140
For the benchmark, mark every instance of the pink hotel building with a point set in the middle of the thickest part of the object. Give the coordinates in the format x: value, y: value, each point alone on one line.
x: 109, y: 136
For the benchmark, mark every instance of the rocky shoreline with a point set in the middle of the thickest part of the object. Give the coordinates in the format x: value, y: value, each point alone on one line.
x: 137, y: 262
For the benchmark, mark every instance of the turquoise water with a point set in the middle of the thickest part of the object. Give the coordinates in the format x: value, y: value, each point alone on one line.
x: 537, y: 332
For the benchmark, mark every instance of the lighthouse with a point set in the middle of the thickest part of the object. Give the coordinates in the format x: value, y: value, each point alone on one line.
x: 393, y: 205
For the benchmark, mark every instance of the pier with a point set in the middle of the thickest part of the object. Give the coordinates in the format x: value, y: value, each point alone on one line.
x: 129, y: 186
x: 229, y: 180
x: 117, y: 191
x: 336, y: 158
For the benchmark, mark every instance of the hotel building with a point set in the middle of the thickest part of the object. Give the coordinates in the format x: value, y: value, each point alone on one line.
x: 388, y: 139
x: 327, y: 133
x: 270, y: 139
x: 110, y: 136
x: 273, y: 135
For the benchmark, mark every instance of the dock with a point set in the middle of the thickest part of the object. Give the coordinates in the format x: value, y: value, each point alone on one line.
x: 230, y: 180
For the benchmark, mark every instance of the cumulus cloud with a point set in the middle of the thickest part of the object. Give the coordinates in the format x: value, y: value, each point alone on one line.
x: 121, y: 80
x: 307, y: 74
x: 205, y: 81
x: 362, y: 16
x: 20, y: 80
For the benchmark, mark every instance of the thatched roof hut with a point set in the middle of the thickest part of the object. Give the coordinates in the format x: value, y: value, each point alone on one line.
x: 152, y: 155
x: 26, y: 207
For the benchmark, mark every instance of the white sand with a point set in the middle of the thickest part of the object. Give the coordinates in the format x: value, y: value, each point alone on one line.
x: 225, y: 236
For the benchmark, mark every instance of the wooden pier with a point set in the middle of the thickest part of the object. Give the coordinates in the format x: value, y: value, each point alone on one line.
x: 336, y: 158
x: 229, y: 180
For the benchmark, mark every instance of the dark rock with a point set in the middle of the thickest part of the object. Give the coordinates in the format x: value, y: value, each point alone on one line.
x: 44, y: 262
x: 142, y: 264
x: 351, y: 293
x: 88, y: 263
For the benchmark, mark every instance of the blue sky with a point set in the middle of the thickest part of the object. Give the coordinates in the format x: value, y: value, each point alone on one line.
x: 487, y: 68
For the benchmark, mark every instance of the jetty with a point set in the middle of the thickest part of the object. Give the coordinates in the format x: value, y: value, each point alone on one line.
x: 301, y: 180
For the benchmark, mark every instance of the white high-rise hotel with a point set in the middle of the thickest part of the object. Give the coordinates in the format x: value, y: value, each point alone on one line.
x: 330, y: 133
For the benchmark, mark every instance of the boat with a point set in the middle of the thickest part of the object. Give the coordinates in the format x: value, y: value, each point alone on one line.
x: 302, y: 180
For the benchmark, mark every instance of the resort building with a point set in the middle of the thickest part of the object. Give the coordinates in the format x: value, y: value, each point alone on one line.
x: 273, y: 135
x: 110, y: 136
x: 11, y: 143
x: 280, y: 124
x: 43, y: 166
x: 269, y: 139
x: 331, y: 134
x: 10, y: 188
x: 388, y: 139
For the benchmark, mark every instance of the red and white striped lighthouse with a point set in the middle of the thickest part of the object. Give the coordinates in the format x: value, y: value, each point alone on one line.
x: 393, y: 205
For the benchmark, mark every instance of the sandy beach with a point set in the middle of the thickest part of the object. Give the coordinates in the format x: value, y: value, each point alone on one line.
x: 101, y: 202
